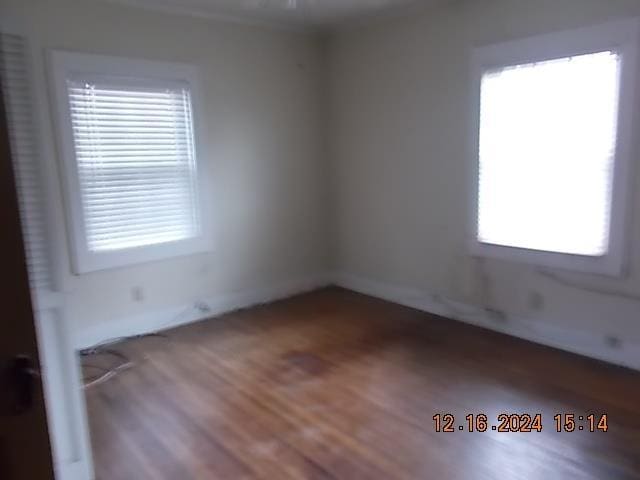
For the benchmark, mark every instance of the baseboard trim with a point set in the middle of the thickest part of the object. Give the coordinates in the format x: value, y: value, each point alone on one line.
x: 539, y: 330
x: 73, y: 471
x: 543, y: 331
x: 176, y: 316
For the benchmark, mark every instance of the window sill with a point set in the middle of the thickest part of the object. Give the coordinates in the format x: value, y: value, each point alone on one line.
x: 609, y: 265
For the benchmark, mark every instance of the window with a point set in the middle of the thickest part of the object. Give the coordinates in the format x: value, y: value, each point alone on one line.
x: 130, y: 154
x: 552, y: 148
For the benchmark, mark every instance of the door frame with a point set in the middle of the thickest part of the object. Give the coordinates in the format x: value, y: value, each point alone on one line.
x: 62, y: 377
x: 25, y: 444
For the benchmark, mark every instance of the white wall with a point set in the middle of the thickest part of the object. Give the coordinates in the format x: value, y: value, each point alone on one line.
x: 400, y: 112
x: 263, y: 147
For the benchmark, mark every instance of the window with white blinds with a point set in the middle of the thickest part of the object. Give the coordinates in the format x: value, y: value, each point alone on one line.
x: 136, y: 163
x: 553, y: 147
x: 547, y: 146
x: 23, y: 140
x: 132, y: 158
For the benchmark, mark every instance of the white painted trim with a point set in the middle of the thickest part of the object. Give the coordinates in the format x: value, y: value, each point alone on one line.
x: 542, y: 331
x: 622, y: 36
x: 188, y: 313
x: 73, y: 471
x: 401, y: 11
x: 65, y: 64
x: 64, y: 399
x: 47, y: 300
x: 211, y: 14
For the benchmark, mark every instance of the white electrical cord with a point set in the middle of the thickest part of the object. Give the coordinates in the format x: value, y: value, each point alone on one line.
x: 125, y: 362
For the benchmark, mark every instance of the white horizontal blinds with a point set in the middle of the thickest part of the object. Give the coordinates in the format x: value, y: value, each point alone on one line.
x: 16, y: 86
x: 136, y: 163
x: 547, y: 148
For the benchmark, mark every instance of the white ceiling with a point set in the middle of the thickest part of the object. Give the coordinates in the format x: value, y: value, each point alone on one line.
x: 294, y: 13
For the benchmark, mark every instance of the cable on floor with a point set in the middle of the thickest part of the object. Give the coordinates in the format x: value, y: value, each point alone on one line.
x: 124, y: 362
x: 108, y: 372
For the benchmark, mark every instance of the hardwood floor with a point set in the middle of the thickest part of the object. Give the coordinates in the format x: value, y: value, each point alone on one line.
x: 336, y: 385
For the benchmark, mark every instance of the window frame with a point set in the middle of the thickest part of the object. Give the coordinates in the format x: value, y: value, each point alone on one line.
x: 64, y: 64
x: 620, y: 36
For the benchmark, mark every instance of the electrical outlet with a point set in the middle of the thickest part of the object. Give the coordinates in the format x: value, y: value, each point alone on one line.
x: 202, y: 307
x: 137, y: 294
x: 497, y: 316
x: 536, y: 301
x: 613, y: 342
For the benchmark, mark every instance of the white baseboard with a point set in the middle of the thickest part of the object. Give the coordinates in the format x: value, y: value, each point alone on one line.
x: 73, y: 471
x: 184, y: 314
x: 539, y: 330
x: 544, y: 331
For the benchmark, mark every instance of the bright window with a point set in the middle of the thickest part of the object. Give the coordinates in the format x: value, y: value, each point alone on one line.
x: 547, y: 144
x: 548, y: 154
x: 132, y: 159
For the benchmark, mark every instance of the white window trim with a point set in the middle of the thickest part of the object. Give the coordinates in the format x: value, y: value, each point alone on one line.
x: 63, y: 64
x: 621, y: 36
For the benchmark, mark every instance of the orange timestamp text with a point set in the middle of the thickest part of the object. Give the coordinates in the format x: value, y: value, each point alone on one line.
x: 520, y: 422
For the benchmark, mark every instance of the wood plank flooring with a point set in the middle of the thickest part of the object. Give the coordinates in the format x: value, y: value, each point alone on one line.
x: 337, y: 385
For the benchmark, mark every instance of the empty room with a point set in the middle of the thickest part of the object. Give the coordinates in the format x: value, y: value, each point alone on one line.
x: 320, y: 239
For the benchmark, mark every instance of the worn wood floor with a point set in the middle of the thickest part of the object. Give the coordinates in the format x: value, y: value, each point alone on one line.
x: 336, y: 385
